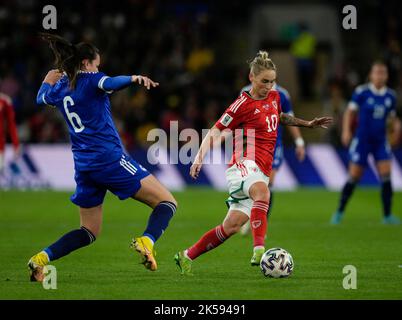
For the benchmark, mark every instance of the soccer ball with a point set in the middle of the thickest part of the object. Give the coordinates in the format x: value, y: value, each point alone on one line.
x: 276, y: 263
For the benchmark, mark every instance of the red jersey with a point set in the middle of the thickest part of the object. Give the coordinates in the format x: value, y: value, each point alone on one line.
x: 255, y: 123
x: 7, y: 113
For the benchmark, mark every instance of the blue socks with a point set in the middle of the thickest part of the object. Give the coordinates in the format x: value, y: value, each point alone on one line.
x: 347, y: 191
x: 159, y: 220
x: 69, y: 242
x: 157, y: 224
x: 386, y: 196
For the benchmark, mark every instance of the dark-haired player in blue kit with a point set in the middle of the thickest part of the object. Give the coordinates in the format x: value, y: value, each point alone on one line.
x: 286, y: 106
x: 374, y: 105
x: 81, y: 93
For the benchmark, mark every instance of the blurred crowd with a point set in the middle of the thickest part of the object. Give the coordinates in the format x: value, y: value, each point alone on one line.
x: 181, y: 45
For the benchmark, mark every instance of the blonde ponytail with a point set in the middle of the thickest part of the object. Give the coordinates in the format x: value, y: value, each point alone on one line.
x: 261, y: 62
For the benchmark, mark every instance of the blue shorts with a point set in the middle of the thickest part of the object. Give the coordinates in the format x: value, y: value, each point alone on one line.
x: 278, y: 155
x: 359, y: 151
x: 122, y: 178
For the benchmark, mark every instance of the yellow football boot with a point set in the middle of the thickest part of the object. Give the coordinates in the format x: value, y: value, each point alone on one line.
x: 145, y: 248
x: 36, y: 266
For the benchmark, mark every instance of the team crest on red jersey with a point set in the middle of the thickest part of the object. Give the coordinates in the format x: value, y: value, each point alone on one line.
x: 275, y: 105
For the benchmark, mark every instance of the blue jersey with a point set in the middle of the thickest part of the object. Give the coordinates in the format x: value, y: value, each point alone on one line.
x: 86, y: 109
x: 373, y: 107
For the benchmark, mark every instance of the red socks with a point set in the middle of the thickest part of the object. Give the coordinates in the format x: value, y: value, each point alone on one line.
x: 215, y: 237
x: 258, y: 222
x: 212, y: 239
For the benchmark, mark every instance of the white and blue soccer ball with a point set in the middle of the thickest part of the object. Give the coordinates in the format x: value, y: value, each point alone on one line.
x: 276, y: 263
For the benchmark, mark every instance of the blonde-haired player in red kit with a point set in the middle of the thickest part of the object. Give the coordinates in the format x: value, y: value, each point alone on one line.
x: 257, y: 114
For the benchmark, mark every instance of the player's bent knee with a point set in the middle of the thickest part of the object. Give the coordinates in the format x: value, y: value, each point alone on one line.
x: 262, y: 196
x: 259, y: 192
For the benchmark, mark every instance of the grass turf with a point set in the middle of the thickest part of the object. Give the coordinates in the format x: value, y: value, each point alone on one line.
x: 109, y: 270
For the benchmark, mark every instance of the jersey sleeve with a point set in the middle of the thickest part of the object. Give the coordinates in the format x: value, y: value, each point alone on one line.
x: 355, y: 100
x: 233, y: 116
x: 46, y: 95
x: 97, y: 81
x: 110, y: 84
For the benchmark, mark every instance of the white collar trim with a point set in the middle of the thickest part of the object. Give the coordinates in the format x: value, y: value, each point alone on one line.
x: 92, y: 72
x: 382, y: 91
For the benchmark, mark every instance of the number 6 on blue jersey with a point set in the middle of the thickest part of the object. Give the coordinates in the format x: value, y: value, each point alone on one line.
x: 72, y: 115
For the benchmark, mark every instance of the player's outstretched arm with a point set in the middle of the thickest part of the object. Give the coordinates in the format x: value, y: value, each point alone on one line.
x: 147, y: 82
x: 213, y: 136
x: 322, y: 122
x: 121, y: 82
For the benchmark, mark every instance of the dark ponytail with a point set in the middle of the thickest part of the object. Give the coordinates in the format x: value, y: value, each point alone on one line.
x: 68, y: 57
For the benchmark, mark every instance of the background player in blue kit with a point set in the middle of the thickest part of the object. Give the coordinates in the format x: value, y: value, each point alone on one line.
x: 80, y: 92
x: 375, y: 105
x: 286, y: 105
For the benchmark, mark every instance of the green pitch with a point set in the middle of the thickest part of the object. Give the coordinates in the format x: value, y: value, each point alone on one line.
x: 109, y: 270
